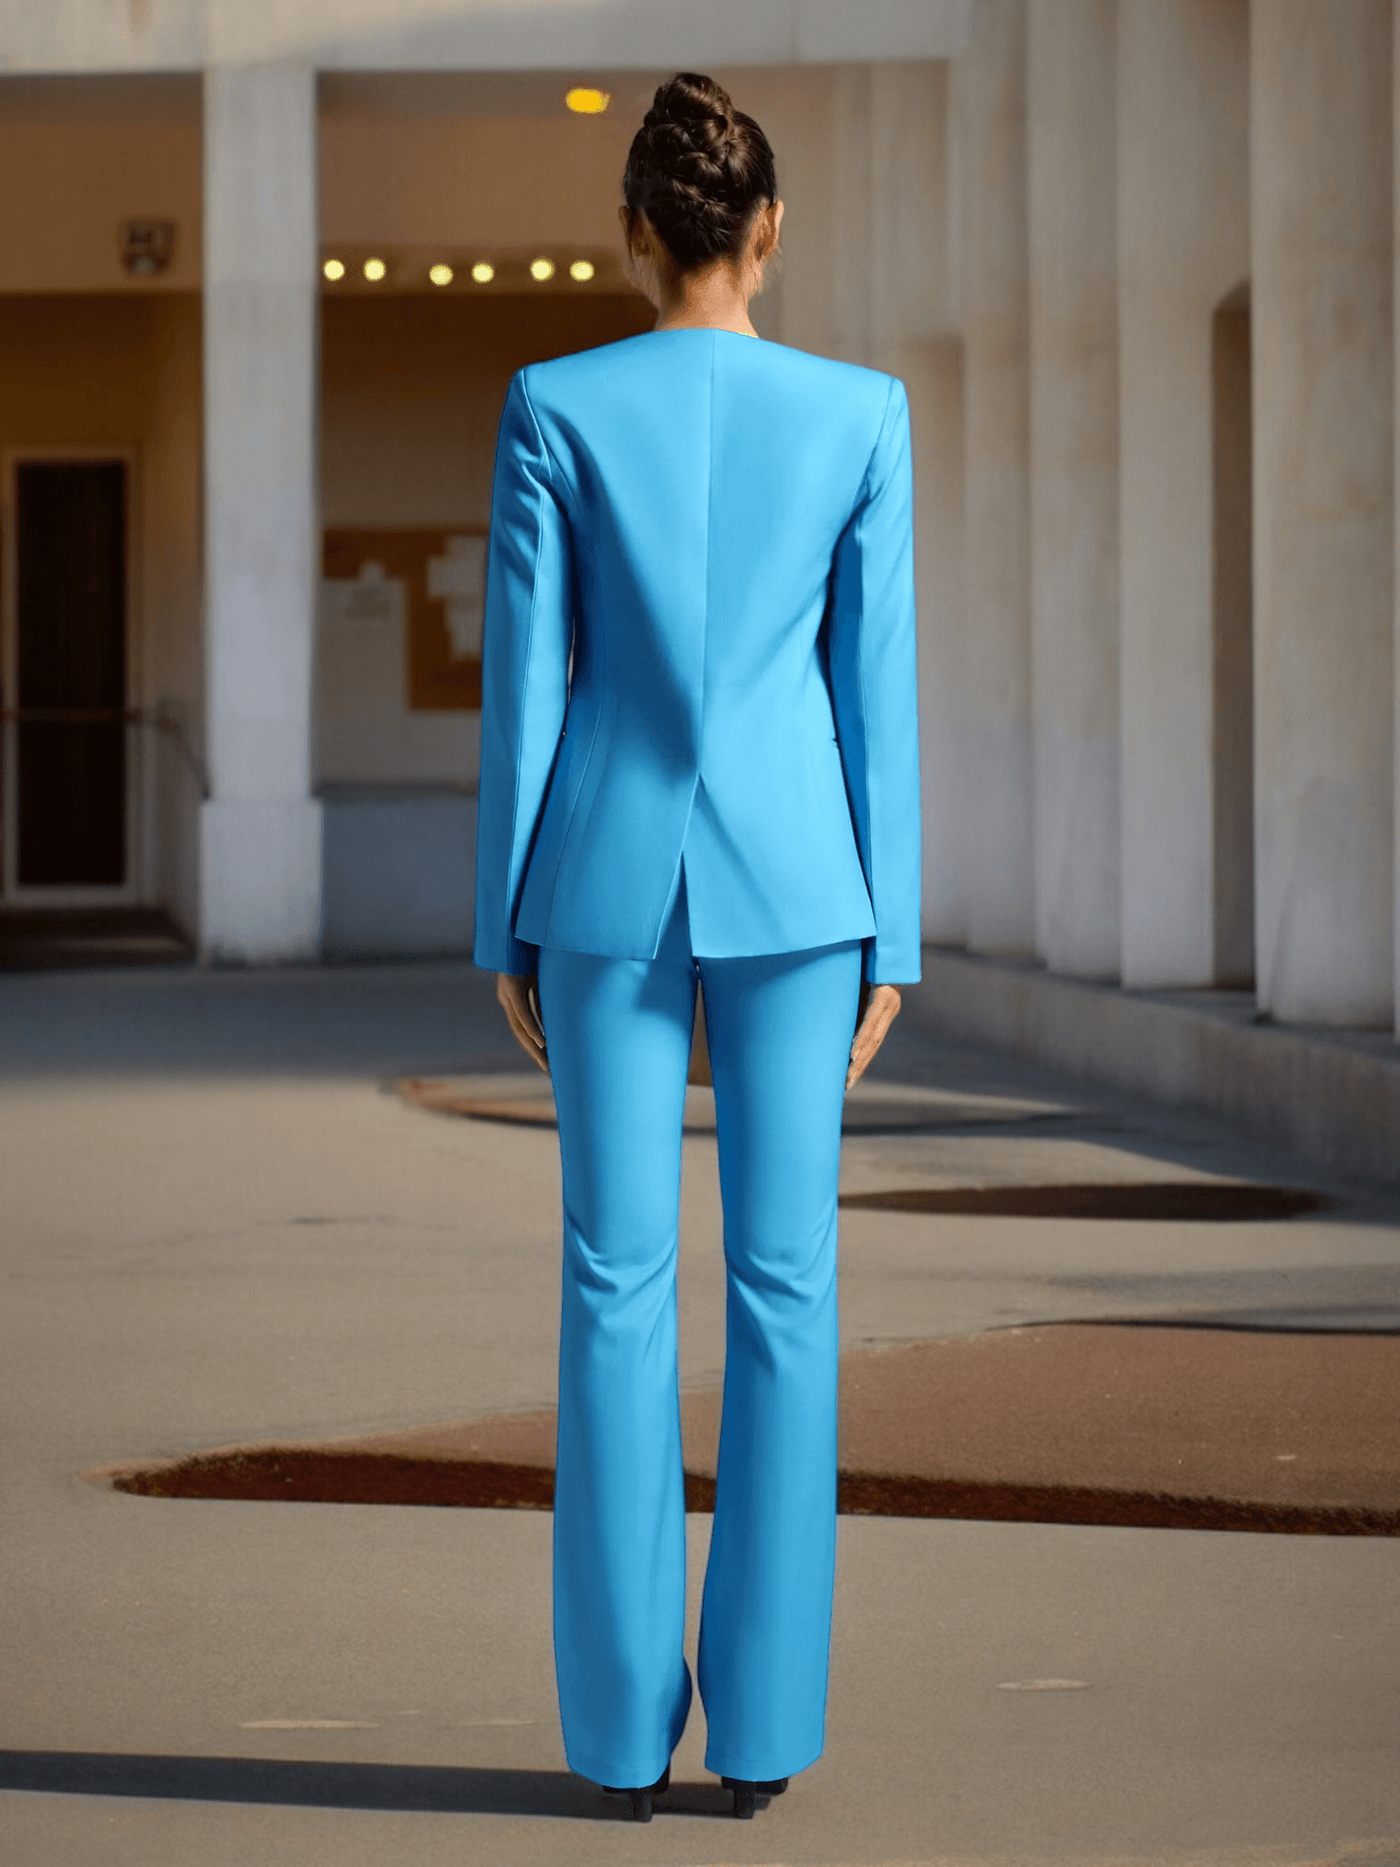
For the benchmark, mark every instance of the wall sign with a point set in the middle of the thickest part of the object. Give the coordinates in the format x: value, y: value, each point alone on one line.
x: 444, y: 578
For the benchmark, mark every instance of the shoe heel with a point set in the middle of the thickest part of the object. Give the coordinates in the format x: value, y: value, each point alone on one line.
x: 746, y: 1793
x: 641, y: 1798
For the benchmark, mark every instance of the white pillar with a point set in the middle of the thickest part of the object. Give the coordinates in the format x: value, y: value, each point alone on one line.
x: 1072, y: 80
x: 1321, y: 221
x: 1395, y: 524
x: 933, y: 374
x: 995, y: 710
x: 886, y: 282
x: 1183, y: 244
x: 260, y: 830
x: 912, y: 322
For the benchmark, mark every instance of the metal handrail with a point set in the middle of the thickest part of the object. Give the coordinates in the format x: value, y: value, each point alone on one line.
x: 130, y: 716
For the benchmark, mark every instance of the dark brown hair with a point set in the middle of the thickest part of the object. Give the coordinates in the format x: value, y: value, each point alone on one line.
x: 699, y: 169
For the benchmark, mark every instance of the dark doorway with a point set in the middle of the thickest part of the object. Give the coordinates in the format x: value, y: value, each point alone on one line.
x: 1233, y: 856
x: 70, y: 668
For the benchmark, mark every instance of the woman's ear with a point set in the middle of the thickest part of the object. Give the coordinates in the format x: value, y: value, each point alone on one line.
x: 765, y: 234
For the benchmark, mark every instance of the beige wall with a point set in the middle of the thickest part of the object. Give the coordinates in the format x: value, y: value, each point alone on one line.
x: 79, y: 156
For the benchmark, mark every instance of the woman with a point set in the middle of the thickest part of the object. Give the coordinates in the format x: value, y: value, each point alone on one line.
x: 699, y: 771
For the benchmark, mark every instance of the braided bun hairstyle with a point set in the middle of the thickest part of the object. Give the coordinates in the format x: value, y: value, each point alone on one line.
x: 699, y: 169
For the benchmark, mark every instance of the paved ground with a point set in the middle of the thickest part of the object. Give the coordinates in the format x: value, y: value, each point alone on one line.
x: 223, y: 1222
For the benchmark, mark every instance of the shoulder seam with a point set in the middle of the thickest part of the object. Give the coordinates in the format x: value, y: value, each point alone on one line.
x: 875, y: 444
x: 535, y: 423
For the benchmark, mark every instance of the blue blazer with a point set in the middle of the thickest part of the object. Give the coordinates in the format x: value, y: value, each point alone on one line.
x: 699, y: 640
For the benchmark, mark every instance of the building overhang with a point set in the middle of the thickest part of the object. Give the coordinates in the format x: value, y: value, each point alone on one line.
x: 476, y: 35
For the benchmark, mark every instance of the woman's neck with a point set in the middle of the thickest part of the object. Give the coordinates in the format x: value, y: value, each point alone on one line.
x: 712, y: 303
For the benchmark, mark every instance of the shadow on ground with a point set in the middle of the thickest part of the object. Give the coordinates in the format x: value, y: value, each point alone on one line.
x: 397, y: 1787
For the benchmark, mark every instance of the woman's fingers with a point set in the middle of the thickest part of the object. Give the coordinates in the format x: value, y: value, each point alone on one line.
x: 532, y: 1006
x: 880, y: 1014
x: 528, y: 1042
x: 519, y: 994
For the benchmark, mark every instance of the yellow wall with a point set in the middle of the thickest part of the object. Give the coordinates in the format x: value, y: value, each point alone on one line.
x: 79, y: 156
x: 111, y: 370
x: 412, y: 390
x: 411, y: 397
x: 413, y: 160
x: 495, y: 179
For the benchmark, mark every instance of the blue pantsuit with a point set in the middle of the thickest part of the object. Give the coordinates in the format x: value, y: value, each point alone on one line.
x: 618, y: 1032
x: 699, y: 770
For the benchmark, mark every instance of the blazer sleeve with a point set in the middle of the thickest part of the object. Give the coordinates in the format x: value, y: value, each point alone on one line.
x: 527, y: 631
x: 874, y: 677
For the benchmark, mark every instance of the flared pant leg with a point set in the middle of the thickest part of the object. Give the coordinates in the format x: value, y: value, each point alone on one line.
x: 619, y: 1038
x: 779, y: 1028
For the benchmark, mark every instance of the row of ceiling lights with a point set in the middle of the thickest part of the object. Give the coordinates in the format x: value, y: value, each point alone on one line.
x: 482, y: 272
x: 582, y: 99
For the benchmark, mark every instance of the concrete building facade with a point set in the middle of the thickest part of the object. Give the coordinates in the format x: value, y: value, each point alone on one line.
x: 1133, y: 259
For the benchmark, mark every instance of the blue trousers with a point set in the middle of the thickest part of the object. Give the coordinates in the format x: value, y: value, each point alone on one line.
x: 618, y: 1031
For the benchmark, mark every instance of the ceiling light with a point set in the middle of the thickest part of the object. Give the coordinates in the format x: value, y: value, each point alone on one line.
x: 375, y: 268
x: 541, y: 268
x: 334, y: 268
x: 440, y: 275
x: 581, y: 269
x: 482, y: 271
x: 586, y: 101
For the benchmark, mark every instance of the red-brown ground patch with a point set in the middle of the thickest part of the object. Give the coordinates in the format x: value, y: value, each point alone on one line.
x: 1060, y: 1423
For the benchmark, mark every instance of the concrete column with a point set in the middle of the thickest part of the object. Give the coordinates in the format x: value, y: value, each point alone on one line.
x: 912, y: 323
x: 1321, y: 228
x: 260, y: 831
x: 889, y: 289
x: 1183, y: 245
x: 932, y: 372
x: 1072, y: 80
x: 1395, y: 526
x: 995, y: 710
x: 853, y: 210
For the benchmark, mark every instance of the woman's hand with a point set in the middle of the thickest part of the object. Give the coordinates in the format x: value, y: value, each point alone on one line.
x: 519, y: 992
x: 881, y: 1008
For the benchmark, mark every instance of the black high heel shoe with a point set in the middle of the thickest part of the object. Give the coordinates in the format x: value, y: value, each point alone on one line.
x: 745, y: 1793
x: 641, y: 1798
